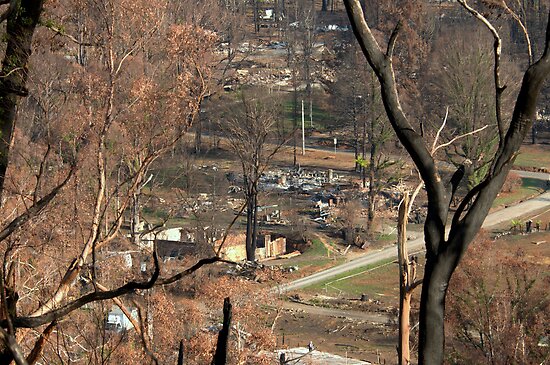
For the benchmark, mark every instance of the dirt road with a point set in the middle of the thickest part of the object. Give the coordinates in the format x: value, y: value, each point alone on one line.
x: 334, y: 312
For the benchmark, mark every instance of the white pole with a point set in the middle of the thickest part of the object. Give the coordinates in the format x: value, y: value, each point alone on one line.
x: 335, y: 141
x: 303, y: 131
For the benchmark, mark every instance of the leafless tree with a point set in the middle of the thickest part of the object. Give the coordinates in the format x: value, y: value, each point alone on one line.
x: 64, y: 204
x: 445, y: 251
x: 250, y: 135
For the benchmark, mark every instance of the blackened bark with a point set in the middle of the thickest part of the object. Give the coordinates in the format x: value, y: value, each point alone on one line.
x: 355, y: 138
x: 181, y: 359
x: 250, y: 251
x: 443, y: 256
x: 251, y: 222
x: 21, y: 24
x: 255, y: 224
x: 39, y: 345
x: 432, y: 312
x: 220, y: 357
x: 295, y: 114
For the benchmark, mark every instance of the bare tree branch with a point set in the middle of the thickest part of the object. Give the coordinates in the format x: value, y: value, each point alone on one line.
x: 382, y: 66
x: 11, y: 343
x: 35, y: 209
x: 33, y: 357
x: 393, y: 39
x: 443, y: 145
x: 56, y: 314
x: 523, y: 29
x: 62, y: 32
x: 497, y: 46
x: 440, y: 130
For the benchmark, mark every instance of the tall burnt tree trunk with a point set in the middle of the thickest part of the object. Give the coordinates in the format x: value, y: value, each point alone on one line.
x: 404, y: 297
x: 220, y: 357
x: 364, y: 152
x: 250, y: 218
x: 443, y: 255
x: 255, y: 224
x: 294, y: 115
x: 22, y: 19
x: 181, y: 354
x: 356, y: 139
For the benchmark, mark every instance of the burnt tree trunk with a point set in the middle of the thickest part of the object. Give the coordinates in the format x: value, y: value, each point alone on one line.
x: 364, y: 153
x: 22, y: 20
x: 251, y: 222
x: 181, y: 354
x: 443, y: 255
x: 220, y: 357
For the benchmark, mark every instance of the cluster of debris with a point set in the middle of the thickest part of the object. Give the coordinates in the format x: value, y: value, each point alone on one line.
x: 256, y: 271
x: 298, y: 179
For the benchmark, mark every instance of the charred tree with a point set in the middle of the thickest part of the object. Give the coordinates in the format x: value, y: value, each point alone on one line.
x: 220, y: 357
x: 22, y: 19
x: 443, y: 253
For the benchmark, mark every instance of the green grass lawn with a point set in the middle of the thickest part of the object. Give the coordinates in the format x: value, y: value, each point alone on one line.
x: 316, y: 258
x: 321, y: 118
x: 377, y: 279
x: 529, y: 188
x: 534, y: 156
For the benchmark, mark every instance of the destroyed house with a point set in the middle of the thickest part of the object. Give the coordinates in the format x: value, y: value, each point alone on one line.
x: 172, y: 250
x: 267, y: 247
x: 234, y: 247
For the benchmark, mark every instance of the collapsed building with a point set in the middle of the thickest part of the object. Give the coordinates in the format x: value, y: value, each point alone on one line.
x: 267, y: 246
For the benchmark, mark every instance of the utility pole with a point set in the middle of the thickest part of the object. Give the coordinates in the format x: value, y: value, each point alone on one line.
x: 311, y: 113
x: 303, y: 131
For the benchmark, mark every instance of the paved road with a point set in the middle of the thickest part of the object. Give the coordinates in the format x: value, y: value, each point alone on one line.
x: 532, y: 175
x: 417, y: 245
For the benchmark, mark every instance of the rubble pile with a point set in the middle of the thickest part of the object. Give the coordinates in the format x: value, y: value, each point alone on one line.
x: 298, y: 179
x: 256, y: 271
